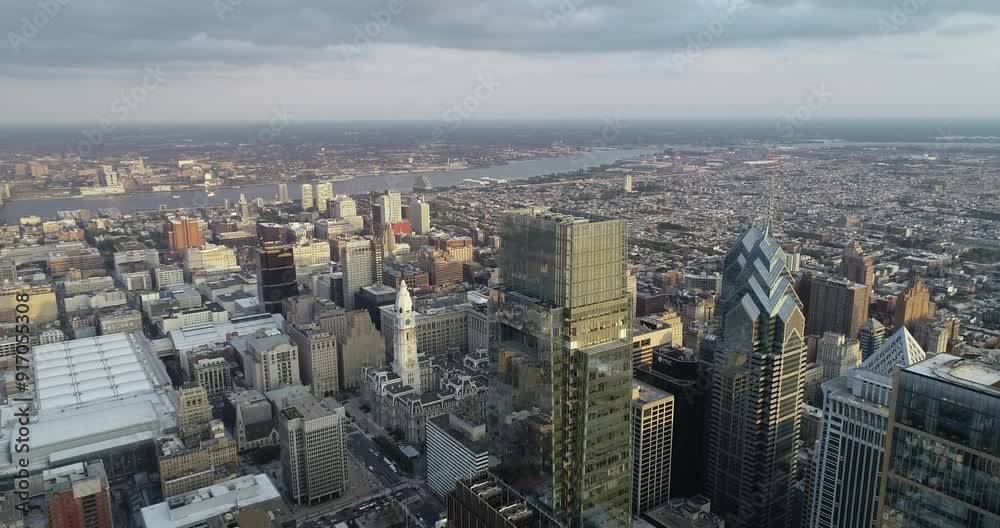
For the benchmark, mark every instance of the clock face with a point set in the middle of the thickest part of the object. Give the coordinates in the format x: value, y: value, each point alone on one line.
x: 408, y: 321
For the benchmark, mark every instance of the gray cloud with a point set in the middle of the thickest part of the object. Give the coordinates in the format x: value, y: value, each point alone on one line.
x: 105, y: 36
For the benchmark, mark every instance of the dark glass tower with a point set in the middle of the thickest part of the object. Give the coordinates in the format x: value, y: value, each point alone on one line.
x: 275, y: 276
x: 559, y: 412
x: 758, y: 386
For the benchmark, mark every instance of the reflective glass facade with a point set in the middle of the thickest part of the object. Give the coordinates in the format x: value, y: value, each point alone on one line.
x: 559, y: 411
x: 943, y: 467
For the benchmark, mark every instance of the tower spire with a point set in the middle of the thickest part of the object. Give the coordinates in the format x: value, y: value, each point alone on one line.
x: 772, y: 189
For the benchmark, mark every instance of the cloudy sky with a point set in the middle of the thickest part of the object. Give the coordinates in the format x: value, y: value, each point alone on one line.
x: 79, y: 60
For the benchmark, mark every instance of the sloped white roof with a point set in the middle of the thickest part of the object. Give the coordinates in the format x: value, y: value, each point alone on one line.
x: 86, y: 370
x: 900, y: 349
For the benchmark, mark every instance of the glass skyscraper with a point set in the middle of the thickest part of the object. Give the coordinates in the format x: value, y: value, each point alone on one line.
x: 759, y: 379
x: 942, y: 462
x: 559, y: 411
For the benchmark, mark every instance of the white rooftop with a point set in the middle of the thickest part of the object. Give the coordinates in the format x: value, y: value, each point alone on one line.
x: 92, y: 369
x: 196, y: 507
x: 190, y: 338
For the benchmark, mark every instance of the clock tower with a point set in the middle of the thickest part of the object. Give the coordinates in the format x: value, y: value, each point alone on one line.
x: 404, y: 344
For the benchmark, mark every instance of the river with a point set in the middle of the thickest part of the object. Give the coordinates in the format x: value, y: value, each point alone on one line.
x: 517, y: 170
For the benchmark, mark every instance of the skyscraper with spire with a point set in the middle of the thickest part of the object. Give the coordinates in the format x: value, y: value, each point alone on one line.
x: 758, y: 386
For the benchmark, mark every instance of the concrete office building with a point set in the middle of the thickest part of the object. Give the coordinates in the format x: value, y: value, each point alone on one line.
x: 563, y: 322
x: 214, y: 375
x: 440, y: 327
x: 188, y: 466
x: 834, y: 305
x: 324, y: 193
x: 852, y: 437
x: 270, y: 359
x: 313, y: 450
x: 652, y: 444
x: 318, y: 363
x: 942, y: 448
x: 837, y: 354
x: 457, y: 449
x: 913, y: 305
x: 78, y: 496
x: 344, y: 206
x: 871, y: 336
x: 758, y: 387
x: 308, y: 201
x: 359, y: 345
x: 219, y: 505
x: 420, y: 217
x: 361, y: 262
x: 166, y: 277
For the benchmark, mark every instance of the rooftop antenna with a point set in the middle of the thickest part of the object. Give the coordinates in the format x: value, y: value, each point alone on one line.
x: 770, y: 204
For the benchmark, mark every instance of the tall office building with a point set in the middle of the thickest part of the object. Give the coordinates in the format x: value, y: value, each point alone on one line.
x: 561, y: 384
x: 183, y: 233
x: 313, y: 449
x: 405, y: 362
x: 652, y: 443
x: 913, y: 305
x: 485, y: 501
x: 78, y: 496
x: 307, y: 196
x: 836, y: 354
x: 324, y: 193
x: 193, y: 412
x: 456, y: 449
x: 943, y: 447
x: 758, y: 387
x: 270, y: 360
x: 420, y: 216
x: 8, y: 270
x: 390, y: 207
x: 344, y: 206
x: 628, y: 183
x: 852, y: 439
x: 835, y: 305
x: 361, y: 262
x: 871, y: 336
x: 275, y: 276
x: 317, y: 357
x: 857, y: 267
x: 283, y: 193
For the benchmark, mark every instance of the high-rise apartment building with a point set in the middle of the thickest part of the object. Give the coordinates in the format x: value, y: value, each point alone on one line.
x: 183, y: 233
x: 307, y: 196
x: 78, y: 496
x: 852, y: 439
x: 313, y: 449
x: 283, y: 193
x: 943, y: 447
x: 361, y: 262
x: 913, y: 305
x: 324, y: 193
x: 871, y: 336
x: 420, y: 217
x: 652, y: 443
x: 835, y: 305
x: 317, y: 357
x: 456, y: 449
x: 758, y: 387
x: 275, y: 276
x: 561, y: 387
